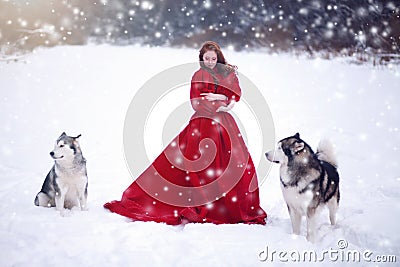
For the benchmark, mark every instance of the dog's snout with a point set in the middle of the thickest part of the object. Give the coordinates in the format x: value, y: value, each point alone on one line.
x: 269, y: 154
x: 51, y: 153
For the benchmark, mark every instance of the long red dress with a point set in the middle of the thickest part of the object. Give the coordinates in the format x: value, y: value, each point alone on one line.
x: 205, y: 174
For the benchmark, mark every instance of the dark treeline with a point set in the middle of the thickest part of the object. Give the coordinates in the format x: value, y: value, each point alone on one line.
x: 284, y: 25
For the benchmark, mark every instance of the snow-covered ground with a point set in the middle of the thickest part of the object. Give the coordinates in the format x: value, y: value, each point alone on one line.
x: 87, y: 90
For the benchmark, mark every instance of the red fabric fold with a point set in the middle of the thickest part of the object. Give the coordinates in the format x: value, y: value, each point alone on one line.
x: 205, y: 174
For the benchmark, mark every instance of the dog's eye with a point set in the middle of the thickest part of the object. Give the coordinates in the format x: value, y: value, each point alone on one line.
x: 61, y: 145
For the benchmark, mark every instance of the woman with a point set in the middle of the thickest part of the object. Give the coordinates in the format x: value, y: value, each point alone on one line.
x: 206, y: 173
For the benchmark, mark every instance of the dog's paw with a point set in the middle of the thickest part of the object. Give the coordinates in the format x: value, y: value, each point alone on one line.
x: 62, y: 212
x: 311, y: 238
x: 84, y: 208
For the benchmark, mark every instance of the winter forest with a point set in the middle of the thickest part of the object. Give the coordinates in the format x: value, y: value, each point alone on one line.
x: 338, y: 26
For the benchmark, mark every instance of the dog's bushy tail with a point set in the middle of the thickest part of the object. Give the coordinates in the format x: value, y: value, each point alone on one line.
x: 326, y: 152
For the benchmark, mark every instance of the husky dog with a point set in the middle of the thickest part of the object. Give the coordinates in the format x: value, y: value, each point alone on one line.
x: 66, y: 184
x: 308, y: 180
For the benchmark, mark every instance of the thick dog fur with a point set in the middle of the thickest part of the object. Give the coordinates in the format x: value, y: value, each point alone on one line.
x: 309, y: 180
x: 66, y: 184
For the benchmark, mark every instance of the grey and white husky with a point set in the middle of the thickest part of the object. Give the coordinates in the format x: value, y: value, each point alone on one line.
x: 308, y: 180
x: 66, y: 184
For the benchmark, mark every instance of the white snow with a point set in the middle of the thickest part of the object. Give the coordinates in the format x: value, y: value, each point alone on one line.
x: 86, y: 90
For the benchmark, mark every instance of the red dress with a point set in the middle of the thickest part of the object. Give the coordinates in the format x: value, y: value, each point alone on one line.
x: 205, y: 174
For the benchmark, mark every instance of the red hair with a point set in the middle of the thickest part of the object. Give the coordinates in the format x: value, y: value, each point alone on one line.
x: 222, y: 65
x: 212, y: 46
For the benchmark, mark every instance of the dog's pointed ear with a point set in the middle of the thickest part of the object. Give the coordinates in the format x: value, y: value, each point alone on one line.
x: 76, y: 141
x: 298, y: 146
x: 63, y: 134
x: 297, y: 135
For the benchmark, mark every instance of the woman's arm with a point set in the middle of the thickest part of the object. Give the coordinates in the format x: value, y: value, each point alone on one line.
x: 220, y: 97
x: 214, y: 97
x: 201, y: 95
x: 226, y: 108
x: 232, y: 92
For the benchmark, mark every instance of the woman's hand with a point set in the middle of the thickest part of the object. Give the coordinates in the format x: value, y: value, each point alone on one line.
x: 213, y: 97
x: 226, y: 108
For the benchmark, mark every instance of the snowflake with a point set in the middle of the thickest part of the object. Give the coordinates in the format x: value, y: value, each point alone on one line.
x: 178, y: 160
x: 146, y: 5
x: 362, y: 12
x: 374, y: 30
x: 23, y: 23
x: 207, y: 4
x: 303, y: 11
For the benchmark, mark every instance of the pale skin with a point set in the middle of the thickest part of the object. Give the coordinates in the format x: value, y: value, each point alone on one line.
x: 210, y: 61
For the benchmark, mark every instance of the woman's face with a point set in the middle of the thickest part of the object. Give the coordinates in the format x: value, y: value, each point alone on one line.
x: 210, y: 59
